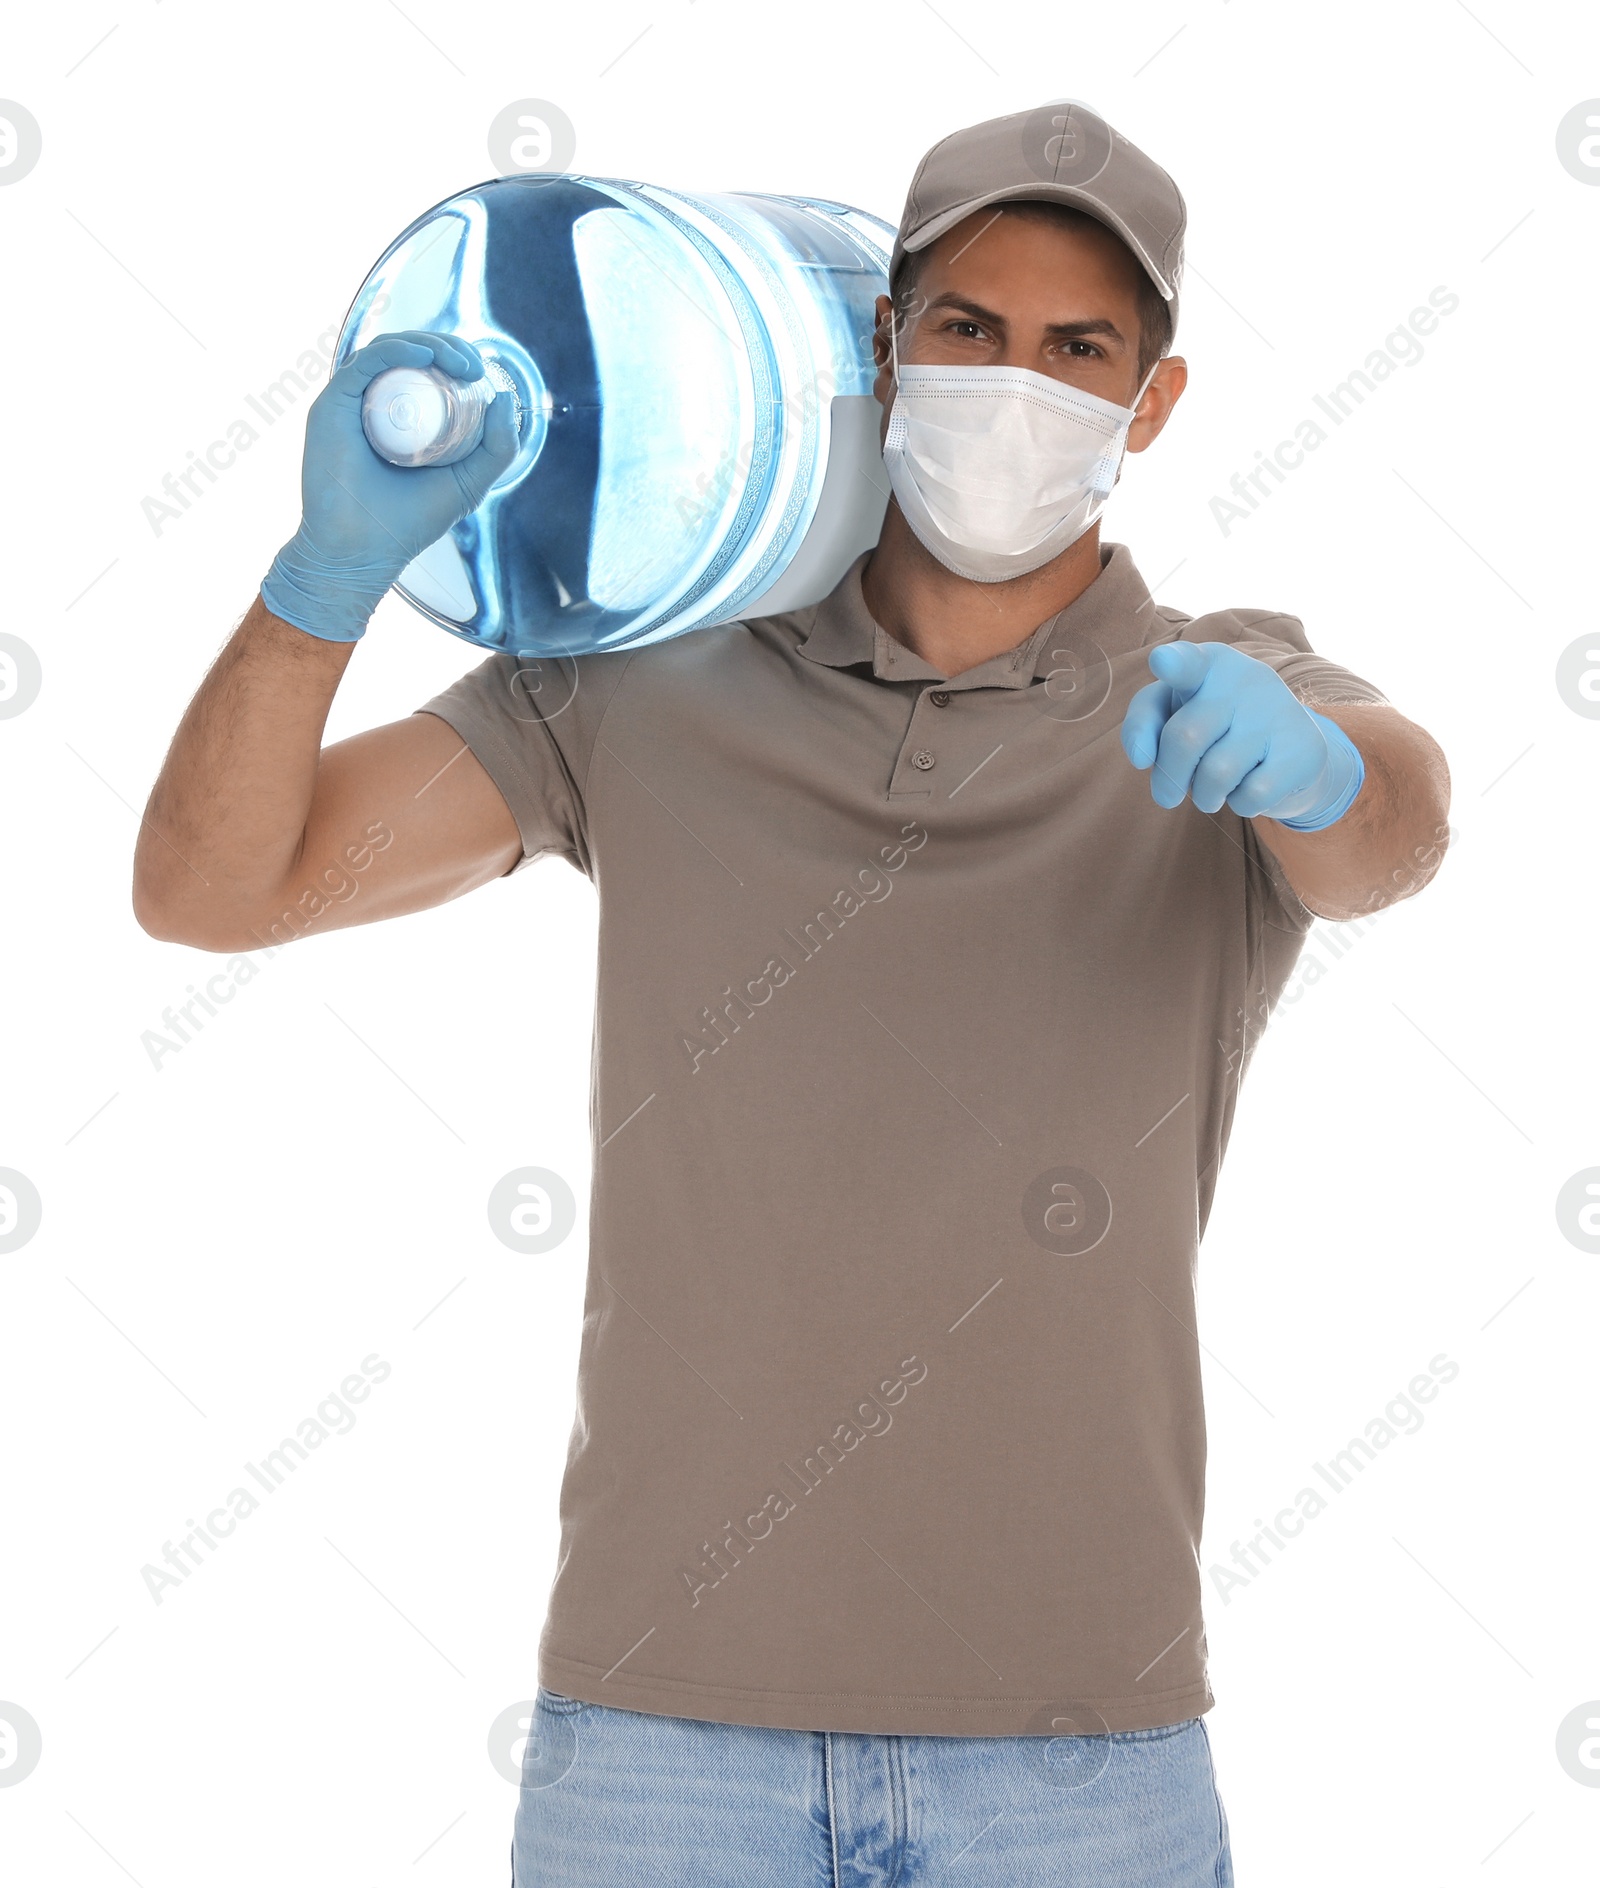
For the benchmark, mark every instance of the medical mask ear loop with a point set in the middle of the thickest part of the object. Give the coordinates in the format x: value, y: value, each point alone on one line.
x: 1143, y: 387
x: 1133, y: 411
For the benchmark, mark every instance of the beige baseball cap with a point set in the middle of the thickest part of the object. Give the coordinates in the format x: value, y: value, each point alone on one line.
x: 1061, y: 152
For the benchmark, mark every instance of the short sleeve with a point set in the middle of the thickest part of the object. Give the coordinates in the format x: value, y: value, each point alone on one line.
x: 531, y: 723
x: 1285, y: 910
x: 1281, y: 642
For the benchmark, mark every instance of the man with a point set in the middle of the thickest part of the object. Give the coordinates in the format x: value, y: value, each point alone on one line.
x: 935, y: 936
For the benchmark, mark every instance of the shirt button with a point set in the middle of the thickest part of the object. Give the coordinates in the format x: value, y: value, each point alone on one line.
x: 922, y: 760
x: 940, y: 698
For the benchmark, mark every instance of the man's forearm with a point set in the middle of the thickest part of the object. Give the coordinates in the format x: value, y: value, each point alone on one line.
x: 226, y: 818
x: 1391, y: 841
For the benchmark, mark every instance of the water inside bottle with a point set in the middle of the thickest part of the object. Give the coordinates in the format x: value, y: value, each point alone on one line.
x: 694, y: 375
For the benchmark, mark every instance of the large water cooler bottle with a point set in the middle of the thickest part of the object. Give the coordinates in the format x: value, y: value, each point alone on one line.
x: 699, y: 440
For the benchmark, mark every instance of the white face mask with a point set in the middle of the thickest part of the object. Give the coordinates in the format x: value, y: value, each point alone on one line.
x: 998, y: 469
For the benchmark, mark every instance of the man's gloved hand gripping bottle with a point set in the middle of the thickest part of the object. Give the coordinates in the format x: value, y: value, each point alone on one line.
x: 572, y: 413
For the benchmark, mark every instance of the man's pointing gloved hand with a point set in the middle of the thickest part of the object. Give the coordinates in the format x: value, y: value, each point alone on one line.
x: 1221, y: 727
x: 364, y: 519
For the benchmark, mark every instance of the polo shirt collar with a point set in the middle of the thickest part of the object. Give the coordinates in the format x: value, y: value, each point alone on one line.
x: 1116, y: 612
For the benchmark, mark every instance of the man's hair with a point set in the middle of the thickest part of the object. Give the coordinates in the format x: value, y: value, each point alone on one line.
x: 1154, y: 311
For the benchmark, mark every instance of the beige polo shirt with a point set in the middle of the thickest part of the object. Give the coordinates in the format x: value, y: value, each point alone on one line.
x: 918, y: 1034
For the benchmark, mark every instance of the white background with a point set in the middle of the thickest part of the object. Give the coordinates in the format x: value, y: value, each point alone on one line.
x: 226, y: 1236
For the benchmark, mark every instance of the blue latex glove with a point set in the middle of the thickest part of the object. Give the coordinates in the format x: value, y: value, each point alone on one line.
x: 1219, y: 726
x: 364, y: 519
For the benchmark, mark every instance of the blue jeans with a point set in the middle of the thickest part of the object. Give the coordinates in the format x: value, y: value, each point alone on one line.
x: 632, y: 1799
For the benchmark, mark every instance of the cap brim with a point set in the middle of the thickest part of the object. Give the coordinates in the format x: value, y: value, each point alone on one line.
x: 1079, y: 199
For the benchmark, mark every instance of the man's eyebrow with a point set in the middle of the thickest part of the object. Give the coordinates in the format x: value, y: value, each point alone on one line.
x: 1067, y: 330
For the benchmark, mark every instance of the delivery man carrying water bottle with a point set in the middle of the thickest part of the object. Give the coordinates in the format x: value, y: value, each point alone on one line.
x: 938, y: 921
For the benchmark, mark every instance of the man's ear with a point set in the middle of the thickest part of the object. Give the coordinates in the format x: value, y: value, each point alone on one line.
x: 883, y: 380
x: 882, y: 308
x: 1160, y: 397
